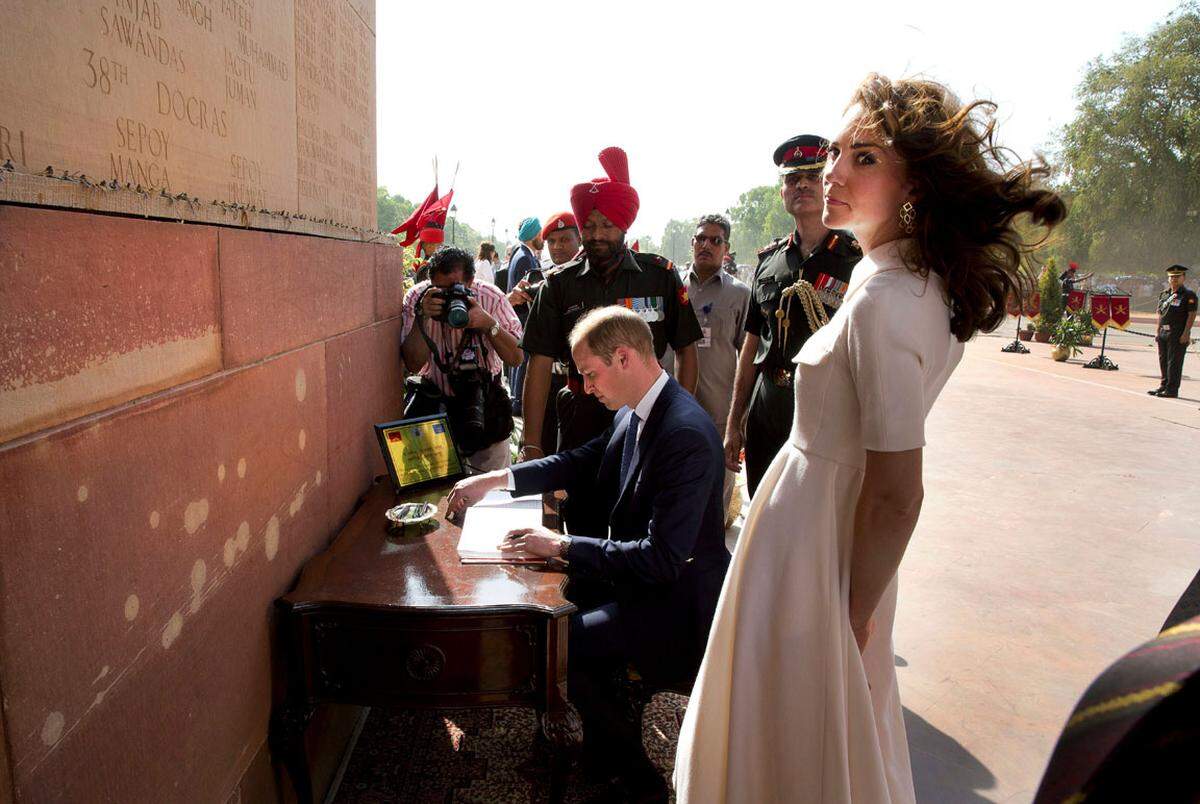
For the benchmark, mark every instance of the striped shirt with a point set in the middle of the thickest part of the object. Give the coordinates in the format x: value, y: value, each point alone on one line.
x: 447, y: 338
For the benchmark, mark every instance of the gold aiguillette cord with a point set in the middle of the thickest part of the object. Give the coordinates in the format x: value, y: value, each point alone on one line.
x: 814, y: 310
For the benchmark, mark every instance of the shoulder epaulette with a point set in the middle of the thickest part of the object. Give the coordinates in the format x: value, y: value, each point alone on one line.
x: 653, y: 259
x: 844, y: 241
x: 575, y: 263
x: 771, y: 247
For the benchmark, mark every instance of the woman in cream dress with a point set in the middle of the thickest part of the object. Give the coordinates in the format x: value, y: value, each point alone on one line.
x: 796, y: 699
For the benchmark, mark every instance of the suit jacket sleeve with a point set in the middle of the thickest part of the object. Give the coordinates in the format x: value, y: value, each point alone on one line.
x: 521, y: 266
x: 561, y: 470
x: 683, y: 467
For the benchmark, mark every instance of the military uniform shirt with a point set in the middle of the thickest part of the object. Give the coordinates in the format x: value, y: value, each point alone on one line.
x: 781, y: 265
x: 1176, y: 306
x: 645, y: 283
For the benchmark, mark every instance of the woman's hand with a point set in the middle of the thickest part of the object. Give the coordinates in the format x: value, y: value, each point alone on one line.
x: 863, y: 632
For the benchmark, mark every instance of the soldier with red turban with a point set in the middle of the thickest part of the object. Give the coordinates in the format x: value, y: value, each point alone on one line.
x: 605, y: 272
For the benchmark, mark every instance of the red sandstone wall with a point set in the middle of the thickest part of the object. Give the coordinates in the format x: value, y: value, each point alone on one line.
x: 184, y: 420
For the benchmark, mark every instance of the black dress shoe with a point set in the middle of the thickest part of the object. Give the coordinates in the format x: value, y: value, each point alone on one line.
x: 1168, y: 395
x: 1155, y: 392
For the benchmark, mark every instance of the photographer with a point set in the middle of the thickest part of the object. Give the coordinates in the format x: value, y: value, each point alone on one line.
x: 454, y: 336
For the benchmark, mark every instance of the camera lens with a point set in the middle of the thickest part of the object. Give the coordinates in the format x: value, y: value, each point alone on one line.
x: 457, y: 313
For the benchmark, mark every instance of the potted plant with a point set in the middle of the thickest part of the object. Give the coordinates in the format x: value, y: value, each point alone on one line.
x: 1050, y: 288
x: 1027, y: 333
x: 1070, y: 333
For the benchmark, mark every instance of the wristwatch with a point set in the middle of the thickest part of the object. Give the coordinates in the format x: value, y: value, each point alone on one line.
x: 495, y: 330
x: 563, y: 546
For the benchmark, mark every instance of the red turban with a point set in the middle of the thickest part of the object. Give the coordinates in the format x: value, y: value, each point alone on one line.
x: 432, y: 235
x: 558, y: 222
x: 613, y: 196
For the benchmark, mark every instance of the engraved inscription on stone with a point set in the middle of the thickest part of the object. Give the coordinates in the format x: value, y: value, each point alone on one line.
x: 198, y: 96
x: 335, y: 112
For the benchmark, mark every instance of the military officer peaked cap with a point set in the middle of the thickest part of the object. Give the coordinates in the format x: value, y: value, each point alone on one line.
x: 1177, y: 270
x: 802, y: 152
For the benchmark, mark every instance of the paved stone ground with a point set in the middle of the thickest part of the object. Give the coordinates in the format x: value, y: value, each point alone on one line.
x: 1059, y: 528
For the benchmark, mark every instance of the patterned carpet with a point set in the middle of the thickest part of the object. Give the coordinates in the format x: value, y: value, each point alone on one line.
x: 476, y: 755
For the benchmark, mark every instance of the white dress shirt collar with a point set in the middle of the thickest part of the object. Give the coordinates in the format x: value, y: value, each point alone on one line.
x: 643, y: 408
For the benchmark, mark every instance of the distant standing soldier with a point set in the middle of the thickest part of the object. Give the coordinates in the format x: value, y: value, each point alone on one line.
x: 779, y: 320
x: 1069, y: 279
x: 1176, y: 314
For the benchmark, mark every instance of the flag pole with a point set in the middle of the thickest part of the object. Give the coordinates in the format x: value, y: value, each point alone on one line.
x: 1100, y: 361
x: 1016, y: 347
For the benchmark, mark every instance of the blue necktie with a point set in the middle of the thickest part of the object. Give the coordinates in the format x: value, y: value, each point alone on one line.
x: 629, y: 450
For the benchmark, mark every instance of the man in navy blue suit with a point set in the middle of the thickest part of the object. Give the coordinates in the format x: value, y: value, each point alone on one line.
x: 648, y: 571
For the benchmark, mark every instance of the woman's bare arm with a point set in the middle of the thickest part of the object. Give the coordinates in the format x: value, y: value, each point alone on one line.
x: 888, y: 507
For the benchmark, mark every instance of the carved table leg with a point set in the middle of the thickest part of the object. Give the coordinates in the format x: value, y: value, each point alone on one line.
x: 561, y: 724
x: 286, y: 739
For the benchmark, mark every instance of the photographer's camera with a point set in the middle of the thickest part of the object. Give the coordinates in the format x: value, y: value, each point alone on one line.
x: 457, y: 307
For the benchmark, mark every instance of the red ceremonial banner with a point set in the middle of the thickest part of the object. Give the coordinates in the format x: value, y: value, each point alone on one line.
x: 1101, y: 311
x: 1075, y: 300
x: 1119, y: 312
x: 1033, y: 307
x: 1012, y: 306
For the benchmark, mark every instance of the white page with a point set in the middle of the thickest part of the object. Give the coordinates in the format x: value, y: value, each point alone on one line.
x: 485, y: 526
x: 499, y: 498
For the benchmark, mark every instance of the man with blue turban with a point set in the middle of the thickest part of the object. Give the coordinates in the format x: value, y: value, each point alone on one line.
x: 524, y: 270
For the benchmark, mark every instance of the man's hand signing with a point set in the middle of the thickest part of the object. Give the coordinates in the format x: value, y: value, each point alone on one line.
x: 540, y: 542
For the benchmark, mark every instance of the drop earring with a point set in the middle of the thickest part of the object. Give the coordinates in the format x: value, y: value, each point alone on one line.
x: 908, y: 215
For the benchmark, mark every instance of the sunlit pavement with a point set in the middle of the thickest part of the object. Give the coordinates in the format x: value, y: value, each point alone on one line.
x: 1058, y: 530
x: 1060, y: 526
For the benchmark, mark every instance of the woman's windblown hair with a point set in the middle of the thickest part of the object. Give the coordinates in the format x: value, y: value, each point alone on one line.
x: 971, y: 196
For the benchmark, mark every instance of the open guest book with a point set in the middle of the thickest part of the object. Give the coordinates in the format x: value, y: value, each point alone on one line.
x: 488, y: 521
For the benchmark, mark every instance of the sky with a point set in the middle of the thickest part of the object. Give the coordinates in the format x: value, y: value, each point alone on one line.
x: 698, y: 93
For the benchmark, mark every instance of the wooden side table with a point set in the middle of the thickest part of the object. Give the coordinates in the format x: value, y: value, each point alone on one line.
x: 382, y: 619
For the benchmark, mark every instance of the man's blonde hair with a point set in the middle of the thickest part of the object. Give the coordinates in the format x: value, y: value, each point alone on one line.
x: 606, y: 328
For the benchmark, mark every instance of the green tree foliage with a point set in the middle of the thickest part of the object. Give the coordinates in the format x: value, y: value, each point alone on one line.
x: 758, y: 218
x: 462, y: 234
x: 677, y: 240
x: 646, y: 244
x: 1130, y: 159
x: 1050, y: 287
x: 390, y: 210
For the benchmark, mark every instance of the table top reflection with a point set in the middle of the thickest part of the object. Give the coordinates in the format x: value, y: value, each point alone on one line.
x: 417, y: 568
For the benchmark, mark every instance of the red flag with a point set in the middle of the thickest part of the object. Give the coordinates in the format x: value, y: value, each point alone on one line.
x: 1075, y: 300
x: 635, y: 246
x: 1033, y: 307
x: 408, y: 230
x: 1101, y: 311
x: 437, y: 211
x: 1119, y: 312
